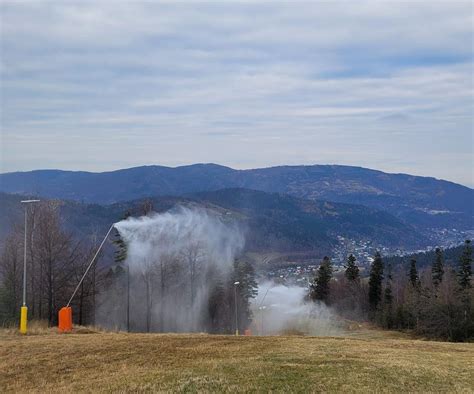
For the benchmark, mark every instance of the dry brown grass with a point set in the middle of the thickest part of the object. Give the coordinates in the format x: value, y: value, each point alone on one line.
x: 41, y: 327
x: 195, y: 363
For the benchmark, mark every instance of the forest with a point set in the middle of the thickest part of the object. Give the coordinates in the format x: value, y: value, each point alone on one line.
x: 435, y: 301
x: 182, y: 289
x: 187, y: 288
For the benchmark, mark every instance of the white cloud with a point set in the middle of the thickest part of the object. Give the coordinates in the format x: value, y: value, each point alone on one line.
x: 101, y: 85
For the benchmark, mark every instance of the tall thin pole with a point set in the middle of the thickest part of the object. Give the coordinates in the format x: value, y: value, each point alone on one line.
x: 236, y: 311
x: 260, y: 307
x: 128, y: 298
x: 24, y: 309
x: 24, y: 258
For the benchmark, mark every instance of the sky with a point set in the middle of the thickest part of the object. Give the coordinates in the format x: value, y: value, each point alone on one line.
x: 105, y: 85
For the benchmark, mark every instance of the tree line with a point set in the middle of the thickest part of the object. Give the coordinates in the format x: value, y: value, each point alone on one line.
x: 178, y: 289
x: 435, y: 301
x: 56, y: 260
x: 178, y: 292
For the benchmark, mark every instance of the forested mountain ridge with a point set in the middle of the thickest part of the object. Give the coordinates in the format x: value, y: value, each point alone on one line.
x: 425, y: 259
x: 315, y: 217
x: 271, y: 221
x: 420, y: 201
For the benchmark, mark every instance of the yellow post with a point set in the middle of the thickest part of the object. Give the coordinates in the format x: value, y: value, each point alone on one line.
x: 23, y: 319
x: 237, y: 332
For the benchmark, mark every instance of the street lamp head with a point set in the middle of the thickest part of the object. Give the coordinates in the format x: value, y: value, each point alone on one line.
x: 236, y: 283
x: 29, y: 201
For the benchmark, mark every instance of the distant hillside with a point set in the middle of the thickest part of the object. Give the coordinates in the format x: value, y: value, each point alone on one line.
x: 272, y: 222
x: 425, y: 259
x: 420, y: 201
x: 316, y: 219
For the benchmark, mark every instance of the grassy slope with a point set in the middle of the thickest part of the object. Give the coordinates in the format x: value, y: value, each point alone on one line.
x: 118, y: 361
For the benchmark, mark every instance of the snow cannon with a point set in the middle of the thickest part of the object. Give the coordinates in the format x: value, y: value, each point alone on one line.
x: 65, y: 313
x: 65, y: 319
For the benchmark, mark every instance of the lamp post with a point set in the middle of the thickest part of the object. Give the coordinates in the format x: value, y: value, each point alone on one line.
x: 262, y: 309
x: 236, y: 311
x: 24, y: 308
x: 128, y: 297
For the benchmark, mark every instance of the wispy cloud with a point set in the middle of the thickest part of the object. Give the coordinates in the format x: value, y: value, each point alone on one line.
x: 101, y: 85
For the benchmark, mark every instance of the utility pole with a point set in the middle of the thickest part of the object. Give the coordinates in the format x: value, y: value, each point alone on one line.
x: 24, y: 308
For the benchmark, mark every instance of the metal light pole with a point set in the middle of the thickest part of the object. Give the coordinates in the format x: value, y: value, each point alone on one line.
x: 236, y: 311
x: 261, y: 309
x: 24, y: 308
x: 128, y: 297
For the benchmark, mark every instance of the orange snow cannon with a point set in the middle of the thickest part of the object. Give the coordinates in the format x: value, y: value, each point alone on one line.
x: 65, y: 319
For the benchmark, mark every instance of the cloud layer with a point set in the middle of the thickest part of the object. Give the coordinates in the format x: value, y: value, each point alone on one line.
x: 104, y: 85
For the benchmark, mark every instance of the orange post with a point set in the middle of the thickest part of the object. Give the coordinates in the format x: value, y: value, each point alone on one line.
x: 65, y: 319
x: 247, y: 332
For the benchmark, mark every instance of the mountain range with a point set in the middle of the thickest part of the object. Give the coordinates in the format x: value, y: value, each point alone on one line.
x: 428, y: 201
x: 272, y: 222
x: 284, y: 208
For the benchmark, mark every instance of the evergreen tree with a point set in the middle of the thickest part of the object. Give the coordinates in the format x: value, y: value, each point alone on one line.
x: 123, y: 277
x: 375, y: 282
x: 219, y: 309
x: 320, y: 285
x: 465, y: 266
x: 352, y: 270
x: 388, y: 299
x: 244, y: 273
x: 120, y: 255
x: 437, y: 269
x: 414, y: 278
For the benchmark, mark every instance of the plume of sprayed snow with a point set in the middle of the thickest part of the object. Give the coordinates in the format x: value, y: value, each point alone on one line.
x: 174, y: 260
x: 171, y: 233
x: 283, y: 309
